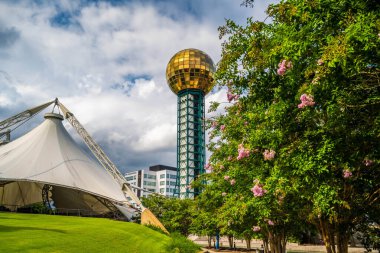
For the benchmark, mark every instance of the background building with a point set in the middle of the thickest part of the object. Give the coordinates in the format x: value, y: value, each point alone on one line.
x: 190, y: 76
x: 157, y: 179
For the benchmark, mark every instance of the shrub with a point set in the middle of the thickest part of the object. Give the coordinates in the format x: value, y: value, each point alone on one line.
x: 155, y: 228
x: 180, y: 244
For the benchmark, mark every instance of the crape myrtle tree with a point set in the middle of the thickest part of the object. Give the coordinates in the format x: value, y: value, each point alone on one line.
x: 299, y: 140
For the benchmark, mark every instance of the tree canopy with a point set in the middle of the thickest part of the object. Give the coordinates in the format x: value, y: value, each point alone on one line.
x: 299, y: 140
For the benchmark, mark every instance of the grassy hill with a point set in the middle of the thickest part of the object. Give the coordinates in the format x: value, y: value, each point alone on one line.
x: 51, y: 233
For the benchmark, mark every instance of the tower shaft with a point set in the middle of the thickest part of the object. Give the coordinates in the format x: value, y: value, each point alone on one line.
x: 190, y: 141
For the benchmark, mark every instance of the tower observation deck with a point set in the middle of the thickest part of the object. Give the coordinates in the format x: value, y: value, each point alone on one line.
x: 190, y: 75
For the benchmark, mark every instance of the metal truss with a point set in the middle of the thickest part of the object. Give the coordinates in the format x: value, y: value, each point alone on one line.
x: 5, y: 125
x: 25, y: 115
x: 99, y: 154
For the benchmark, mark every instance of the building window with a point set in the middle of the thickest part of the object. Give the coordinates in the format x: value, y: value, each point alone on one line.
x: 162, y: 190
x: 162, y: 183
x: 173, y: 176
x: 149, y: 176
x: 172, y: 183
x: 162, y: 176
x: 129, y: 178
x: 147, y: 183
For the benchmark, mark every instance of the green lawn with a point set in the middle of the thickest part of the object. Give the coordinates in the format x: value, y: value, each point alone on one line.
x: 53, y: 233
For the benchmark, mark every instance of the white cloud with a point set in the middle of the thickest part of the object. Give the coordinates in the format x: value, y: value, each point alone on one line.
x: 159, y: 137
x: 108, y: 67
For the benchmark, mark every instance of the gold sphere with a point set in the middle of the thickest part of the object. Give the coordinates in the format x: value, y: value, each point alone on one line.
x: 190, y: 69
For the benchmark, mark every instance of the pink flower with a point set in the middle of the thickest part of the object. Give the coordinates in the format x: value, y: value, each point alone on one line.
x: 269, y: 154
x: 367, y: 162
x: 222, y: 127
x: 188, y: 186
x: 281, y: 71
x: 258, y: 190
x: 229, y: 158
x: 214, y: 124
x: 226, y: 178
x: 270, y: 222
x: 347, y: 174
x: 246, y: 123
x: 283, y: 66
x: 233, y: 181
x: 221, y: 166
x: 208, y: 168
x: 320, y: 62
x: 231, y: 96
x: 224, y: 194
x: 306, y: 100
x: 256, y: 228
x: 243, y: 152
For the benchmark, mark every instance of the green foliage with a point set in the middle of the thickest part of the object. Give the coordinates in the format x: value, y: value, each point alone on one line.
x: 180, y: 244
x: 40, y: 208
x: 155, y: 228
x: 175, y: 214
x: 309, y: 93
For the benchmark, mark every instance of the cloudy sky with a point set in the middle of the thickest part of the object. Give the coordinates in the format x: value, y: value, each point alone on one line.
x: 106, y: 60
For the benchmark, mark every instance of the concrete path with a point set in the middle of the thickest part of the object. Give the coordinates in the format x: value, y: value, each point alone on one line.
x: 256, y: 245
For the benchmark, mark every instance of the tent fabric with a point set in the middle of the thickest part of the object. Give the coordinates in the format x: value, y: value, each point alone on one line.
x: 19, y: 193
x: 49, y: 155
x: 75, y: 199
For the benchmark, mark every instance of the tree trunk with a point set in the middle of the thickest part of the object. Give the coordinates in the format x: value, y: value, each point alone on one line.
x: 266, y: 245
x: 248, y: 242
x: 326, y: 235
x: 209, y: 241
x: 277, y: 242
x: 283, y: 242
x: 342, y: 242
x: 231, y: 241
x: 335, y: 236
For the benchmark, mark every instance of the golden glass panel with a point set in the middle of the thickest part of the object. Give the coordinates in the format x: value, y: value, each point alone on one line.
x: 190, y: 69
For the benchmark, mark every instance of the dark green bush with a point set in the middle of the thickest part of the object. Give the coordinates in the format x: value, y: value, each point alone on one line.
x: 180, y: 244
x: 155, y: 228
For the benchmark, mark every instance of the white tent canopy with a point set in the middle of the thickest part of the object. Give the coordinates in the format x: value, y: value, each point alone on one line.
x: 48, y: 155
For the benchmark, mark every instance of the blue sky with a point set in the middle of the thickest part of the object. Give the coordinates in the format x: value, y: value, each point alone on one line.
x: 106, y: 60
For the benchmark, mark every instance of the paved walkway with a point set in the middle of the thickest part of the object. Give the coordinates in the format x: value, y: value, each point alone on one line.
x: 256, y: 245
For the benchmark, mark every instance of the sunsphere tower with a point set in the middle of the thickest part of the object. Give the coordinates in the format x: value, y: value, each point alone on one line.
x: 190, y: 75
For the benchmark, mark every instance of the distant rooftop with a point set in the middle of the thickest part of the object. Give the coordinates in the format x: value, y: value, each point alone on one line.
x: 160, y: 167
